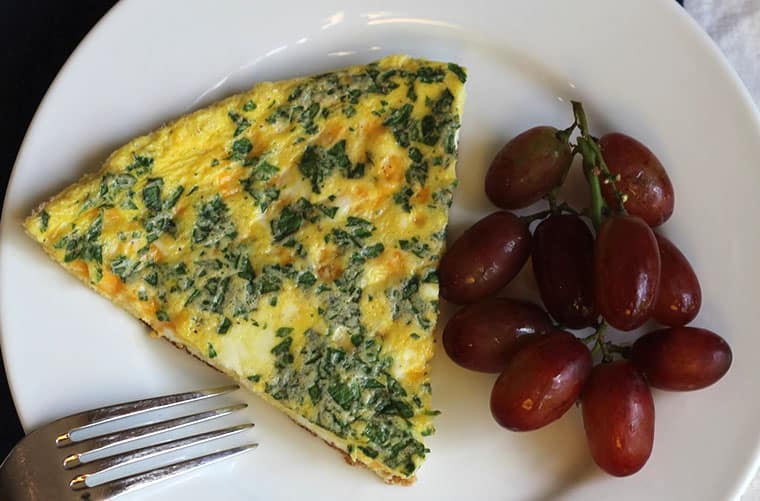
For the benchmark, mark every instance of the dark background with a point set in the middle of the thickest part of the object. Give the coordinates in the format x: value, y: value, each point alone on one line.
x: 36, y: 37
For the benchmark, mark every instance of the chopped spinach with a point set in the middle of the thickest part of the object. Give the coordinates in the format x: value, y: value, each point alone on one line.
x: 159, y: 218
x: 328, y: 211
x: 151, y: 194
x: 360, y: 228
x: 438, y: 121
x: 213, y: 224
x: 282, y: 351
x: 284, y: 331
x: 158, y: 224
x: 444, y: 197
x: 349, y: 111
x: 415, y: 246
x: 140, y: 165
x: 372, y: 251
x: 172, y: 200
x: 287, y: 223
x: 306, y: 118
x: 427, y: 74
x: 255, y: 185
x: 458, y: 71
x: 264, y: 171
x: 85, y: 246
x: 315, y: 167
x: 306, y: 280
x: 318, y: 163
x: 417, y: 173
x: 151, y: 278
x: 123, y: 267
x: 241, y: 124
x: 402, y: 125
x: 44, y: 219
x: 431, y: 277
x: 240, y: 149
x: 407, y: 305
x: 224, y: 326
x: 344, y: 394
x: 296, y: 93
x: 403, y: 197
x: 399, y: 116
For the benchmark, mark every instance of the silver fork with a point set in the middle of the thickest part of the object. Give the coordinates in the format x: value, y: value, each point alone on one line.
x: 48, y: 463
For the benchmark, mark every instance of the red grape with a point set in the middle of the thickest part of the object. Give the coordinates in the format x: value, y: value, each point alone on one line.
x: 682, y: 358
x: 626, y: 271
x: 540, y: 382
x: 527, y: 168
x: 642, y: 179
x: 618, y: 415
x: 679, y: 297
x: 563, y: 264
x: 484, y: 259
x: 482, y: 336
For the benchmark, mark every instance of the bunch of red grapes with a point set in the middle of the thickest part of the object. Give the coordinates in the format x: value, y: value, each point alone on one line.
x: 620, y: 274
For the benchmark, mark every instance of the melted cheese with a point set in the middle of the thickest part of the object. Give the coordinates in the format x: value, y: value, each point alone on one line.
x: 289, y: 236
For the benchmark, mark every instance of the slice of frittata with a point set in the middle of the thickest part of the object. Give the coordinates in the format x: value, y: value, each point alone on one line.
x: 289, y: 237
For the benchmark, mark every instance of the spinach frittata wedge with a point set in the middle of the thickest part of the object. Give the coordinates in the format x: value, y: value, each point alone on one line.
x: 289, y: 237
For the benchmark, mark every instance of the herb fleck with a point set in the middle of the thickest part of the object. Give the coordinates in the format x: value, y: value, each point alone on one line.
x: 151, y: 194
x: 240, y: 149
x: 403, y: 197
x: 213, y: 224
x: 458, y: 71
x: 306, y: 280
x: 241, y: 123
x: 44, y: 219
x: 140, y: 165
x: 283, y: 331
x: 224, y: 326
x: 288, y: 223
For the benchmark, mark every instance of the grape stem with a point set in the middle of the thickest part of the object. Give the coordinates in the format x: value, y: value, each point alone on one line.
x: 552, y: 199
x: 597, y: 172
x: 605, y: 349
x: 564, y: 135
x: 595, y: 168
x: 601, y: 346
x: 597, y: 202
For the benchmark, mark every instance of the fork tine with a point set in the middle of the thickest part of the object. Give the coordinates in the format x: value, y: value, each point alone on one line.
x: 122, y: 485
x: 103, y: 415
x: 105, y: 442
x: 111, y: 462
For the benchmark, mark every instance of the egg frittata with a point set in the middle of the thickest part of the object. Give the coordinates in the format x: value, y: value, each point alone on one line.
x: 289, y: 236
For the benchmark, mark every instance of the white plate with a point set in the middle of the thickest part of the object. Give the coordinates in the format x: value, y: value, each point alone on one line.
x: 641, y: 67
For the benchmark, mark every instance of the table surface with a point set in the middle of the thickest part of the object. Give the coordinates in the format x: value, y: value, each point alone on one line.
x: 37, y: 37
